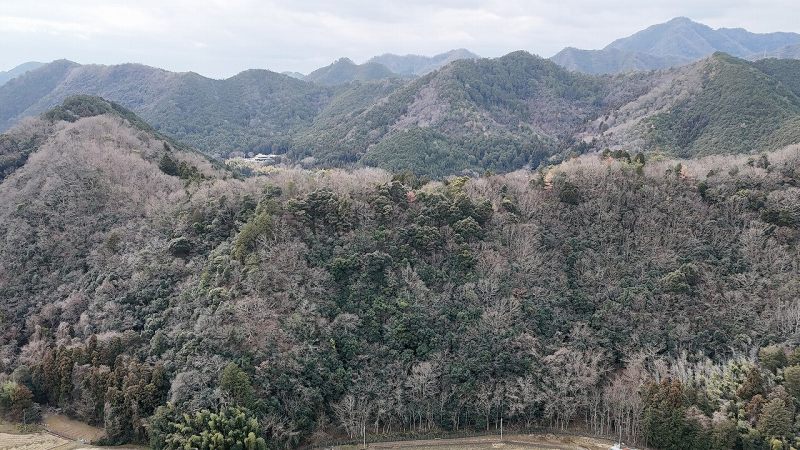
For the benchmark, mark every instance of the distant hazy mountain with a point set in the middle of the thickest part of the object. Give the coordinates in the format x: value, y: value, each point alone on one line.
x: 344, y: 71
x: 295, y: 75
x: 611, y: 61
x: 679, y: 41
x: 683, y: 38
x: 787, y: 52
x: 19, y: 70
x: 421, y: 65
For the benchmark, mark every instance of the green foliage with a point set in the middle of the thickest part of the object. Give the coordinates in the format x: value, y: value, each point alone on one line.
x: 791, y: 377
x: 775, y: 420
x: 681, y: 280
x: 664, y: 422
x: 180, y: 246
x: 80, y: 106
x: 739, y: 109
x: 236, y: 383
x: 772, y: 357
x: 463, y: 95
x: 326, y: 300
x: 15, y: 401
x: 567, y: 192
x: 228, y: 429
x: 261, y: 225
x: 180, y: 169
x: 473, y: 115
x: 725, y: 435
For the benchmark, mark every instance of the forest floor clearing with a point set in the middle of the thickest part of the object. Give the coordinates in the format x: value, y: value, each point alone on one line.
x: 510, y: 442
x: 57, y: 432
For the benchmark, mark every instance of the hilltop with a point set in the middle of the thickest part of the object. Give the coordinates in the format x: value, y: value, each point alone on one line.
x: 345, y: 71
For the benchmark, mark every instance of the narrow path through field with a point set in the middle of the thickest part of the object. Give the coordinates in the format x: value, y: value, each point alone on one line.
x: 511, y: 442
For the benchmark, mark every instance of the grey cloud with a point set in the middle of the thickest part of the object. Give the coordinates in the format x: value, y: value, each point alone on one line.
x: 222, y: 37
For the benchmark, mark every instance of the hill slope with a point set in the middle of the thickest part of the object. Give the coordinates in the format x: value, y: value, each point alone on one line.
x: 134, y: 274
x: 19, y: 70
x: 719, y: 105
x: 683, y: 38
x: 787, y: 52
x: 255, y: 110
x: 497, y: 114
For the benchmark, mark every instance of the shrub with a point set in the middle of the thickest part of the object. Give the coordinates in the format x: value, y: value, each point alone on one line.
x: 772, y: 357
x: 15, y: 399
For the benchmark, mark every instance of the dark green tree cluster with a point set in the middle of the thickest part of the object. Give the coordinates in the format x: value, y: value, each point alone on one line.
x: 100, y: 385
x: 228, y: 429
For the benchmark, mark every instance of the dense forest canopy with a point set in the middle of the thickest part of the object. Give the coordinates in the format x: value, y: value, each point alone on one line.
x: 176, y: 302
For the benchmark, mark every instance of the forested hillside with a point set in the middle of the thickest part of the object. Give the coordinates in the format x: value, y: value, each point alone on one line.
x: 255, y: 110
x: 470, y: 116
x: 489, y: 114
x: 616, y: 292
x: 718, y: 105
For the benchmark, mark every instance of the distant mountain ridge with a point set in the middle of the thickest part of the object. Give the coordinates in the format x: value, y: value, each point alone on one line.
x: 786, y: 52
x: 609, y: 61
x: 497, y: 114
x: 344, y: 71
x: 676, y: 42
x: 386, y: 66
x: 19, y: 70
x: 420, y: 65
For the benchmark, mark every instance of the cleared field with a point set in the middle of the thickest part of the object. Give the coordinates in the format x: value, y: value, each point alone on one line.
x: 61, y: 433
x: 511, y: 442
x: 71, y: 429
x: 33, y: 441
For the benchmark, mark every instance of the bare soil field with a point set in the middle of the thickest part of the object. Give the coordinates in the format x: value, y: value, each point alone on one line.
x: 58, y: 433
x: 71, y: 429
x: 33, y: 441
x: 510, y: 442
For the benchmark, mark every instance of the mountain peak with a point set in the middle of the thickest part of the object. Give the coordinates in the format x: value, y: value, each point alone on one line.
x: 682, y: 20
x: 676, y: 42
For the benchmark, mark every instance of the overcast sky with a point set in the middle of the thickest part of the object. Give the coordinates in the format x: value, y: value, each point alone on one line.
x: 220, y: 38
